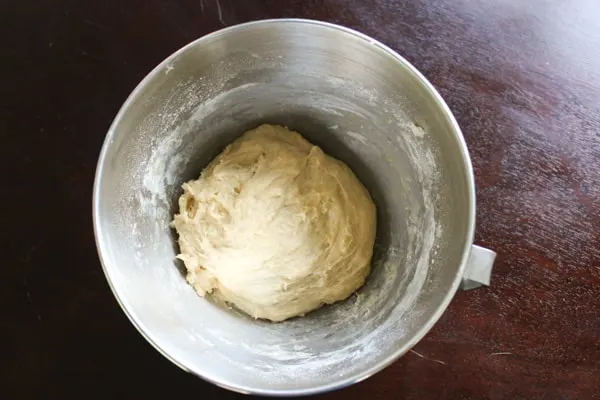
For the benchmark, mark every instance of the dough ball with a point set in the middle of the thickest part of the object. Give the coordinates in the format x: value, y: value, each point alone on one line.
x: 275, y: 226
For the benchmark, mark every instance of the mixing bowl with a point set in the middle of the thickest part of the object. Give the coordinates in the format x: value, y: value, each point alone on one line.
x: 363, y: 104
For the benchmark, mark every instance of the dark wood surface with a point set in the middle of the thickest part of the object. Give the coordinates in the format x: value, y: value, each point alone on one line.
x: 523, y: 79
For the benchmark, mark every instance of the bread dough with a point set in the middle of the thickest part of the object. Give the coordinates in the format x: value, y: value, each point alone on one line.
x: 275, y: 226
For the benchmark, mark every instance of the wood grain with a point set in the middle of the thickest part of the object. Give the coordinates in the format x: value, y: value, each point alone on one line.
x: 523, y: 79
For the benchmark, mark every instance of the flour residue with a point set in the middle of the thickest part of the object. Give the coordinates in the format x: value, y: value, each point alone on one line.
x: 396, y: 159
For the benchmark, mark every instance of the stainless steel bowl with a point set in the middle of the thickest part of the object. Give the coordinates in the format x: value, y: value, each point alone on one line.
x: 362, y: 103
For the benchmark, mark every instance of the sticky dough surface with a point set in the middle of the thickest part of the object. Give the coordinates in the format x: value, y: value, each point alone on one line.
x: 275, y: 226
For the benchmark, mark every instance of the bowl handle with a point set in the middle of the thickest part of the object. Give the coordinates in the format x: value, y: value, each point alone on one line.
x: 479, y: 268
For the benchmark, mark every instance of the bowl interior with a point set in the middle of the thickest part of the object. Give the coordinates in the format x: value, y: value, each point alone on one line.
x: 361, y: 104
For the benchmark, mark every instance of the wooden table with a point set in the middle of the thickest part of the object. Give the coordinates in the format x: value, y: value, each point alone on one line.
x: 523, y: 79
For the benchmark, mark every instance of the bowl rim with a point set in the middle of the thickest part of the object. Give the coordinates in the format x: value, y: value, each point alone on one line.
x: 336, y: 384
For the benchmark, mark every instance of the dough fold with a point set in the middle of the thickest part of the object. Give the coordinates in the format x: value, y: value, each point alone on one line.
x: 275, y: 226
